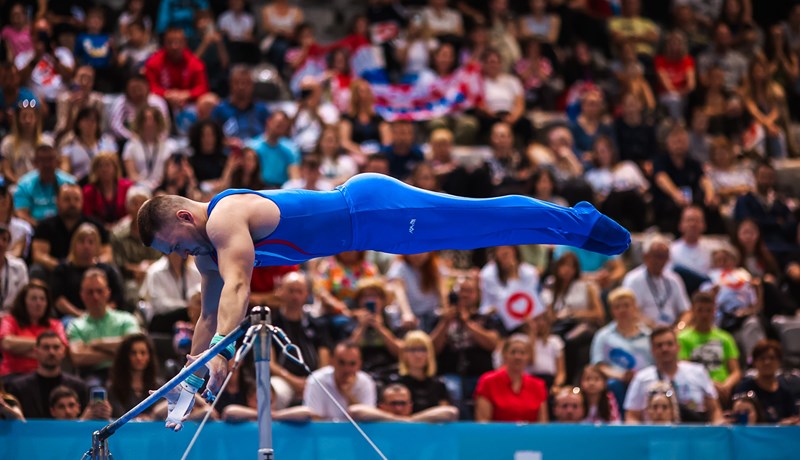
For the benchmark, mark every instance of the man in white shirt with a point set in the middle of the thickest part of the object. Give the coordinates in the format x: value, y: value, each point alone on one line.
x: 692, y: 250
x: 169, y: 285
x: 344, y: 380
x: 690, y: 382
x: 661, y: 293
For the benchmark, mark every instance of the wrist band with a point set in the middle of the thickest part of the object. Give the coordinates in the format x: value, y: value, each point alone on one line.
x: 228, y: 351
x: 194, y: 382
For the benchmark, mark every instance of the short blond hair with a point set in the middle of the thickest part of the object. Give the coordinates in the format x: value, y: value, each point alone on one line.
x: 419, y: 338
x: 621, y: 293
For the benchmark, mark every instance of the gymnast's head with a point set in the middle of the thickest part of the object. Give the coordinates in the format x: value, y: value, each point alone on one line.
x: 173, y: 223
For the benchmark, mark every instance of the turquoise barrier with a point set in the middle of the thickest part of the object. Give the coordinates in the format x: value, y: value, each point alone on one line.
x: 49, y: 440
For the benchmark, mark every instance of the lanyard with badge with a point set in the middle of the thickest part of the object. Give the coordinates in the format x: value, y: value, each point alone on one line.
x: 661, y: 301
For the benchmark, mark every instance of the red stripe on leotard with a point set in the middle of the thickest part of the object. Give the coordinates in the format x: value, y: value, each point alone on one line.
x: 283, y: 242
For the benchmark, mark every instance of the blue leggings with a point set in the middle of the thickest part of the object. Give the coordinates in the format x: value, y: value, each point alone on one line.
x: 390, y: 216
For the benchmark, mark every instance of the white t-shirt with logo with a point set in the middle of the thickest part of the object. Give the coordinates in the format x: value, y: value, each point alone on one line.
x: 691, y: 383
x: 45, y: 80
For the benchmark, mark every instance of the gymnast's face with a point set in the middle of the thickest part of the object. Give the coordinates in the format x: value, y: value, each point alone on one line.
x: 182, y: 236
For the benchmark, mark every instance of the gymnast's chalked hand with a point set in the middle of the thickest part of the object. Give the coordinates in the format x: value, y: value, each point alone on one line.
x: 180, y: 401
x: 217, y: 371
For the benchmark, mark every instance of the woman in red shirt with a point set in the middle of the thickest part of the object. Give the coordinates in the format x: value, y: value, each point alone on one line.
x: 675, y: 70
x: 509, y: 394
x: 30, y: 316
x: 104, y: 195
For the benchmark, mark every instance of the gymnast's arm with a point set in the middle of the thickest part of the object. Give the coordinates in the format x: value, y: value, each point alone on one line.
x: 210, y: 289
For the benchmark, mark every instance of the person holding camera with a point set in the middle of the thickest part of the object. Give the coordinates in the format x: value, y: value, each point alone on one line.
x: 695, y: 391
x: 46, y: 69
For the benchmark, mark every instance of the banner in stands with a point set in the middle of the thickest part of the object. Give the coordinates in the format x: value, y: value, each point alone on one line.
x: 47, y: 440
x: 425, y: 99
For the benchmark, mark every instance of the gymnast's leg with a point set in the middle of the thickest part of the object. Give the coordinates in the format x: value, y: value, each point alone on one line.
x: 390, y: 216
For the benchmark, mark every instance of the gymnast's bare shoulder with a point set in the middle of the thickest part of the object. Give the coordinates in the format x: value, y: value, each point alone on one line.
x: 240, y: 214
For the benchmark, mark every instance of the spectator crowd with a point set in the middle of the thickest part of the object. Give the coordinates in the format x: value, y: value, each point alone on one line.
x: 676, y: 118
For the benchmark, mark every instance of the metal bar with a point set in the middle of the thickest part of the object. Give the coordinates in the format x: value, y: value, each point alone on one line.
x: 111, y: 428
x: 262, y: 348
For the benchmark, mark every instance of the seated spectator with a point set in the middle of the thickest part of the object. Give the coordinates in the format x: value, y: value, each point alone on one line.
x: 130, y: 255
x: 747, y: 410
x: 732, y: 63
x: 126, y: 107
x: 467, y: 178
x: 81, y: 95
x: 32, y: 390
x: 675, y: 71
x: 691, y: 383
x: 361, y: 130
x: 133, y: 374
x: 395, y: 405
x: 249, y: 411
x: 278, y: 155
x: 278, y: 22
x: 416, y: 279
x: 510, y: 168
x: 106, y: 190
x: 17, y: 33
x: 179, y: 178
x: 574, y: 304
x: 146, y: 153
x: 337, y: 277
x: 95, y: 48
x: 543, y: 187
x: 46, y: 68
x: 441, y: 21
x: 504, y: 275
x: 548, y: 352
x: 679, y: 181
x: 12, y: 95
x: 635, y: 135
x: 336, y: 165
x: 169, y: 284
x: 769, y: 210
x: 739, y: 298
x: 632, y: 26
x: 208, y: 45
x: 403, y: 152
x: 18, y: 148
x: 174, y: 72
x: 418, y: 374
x: 344, y: 379
x: 503, y: 100
x: 309, y: 334
x: 710, y: 346
x: 729, y: 178
x: 208, y: 156
x: 601, y: 404
x: 413, y: 50
x: 630, y: 78
x: 464, y: 340
x: 622, y: 347
x: 590, y: 124
x: 95, y: 336
x: 569, y: 405
x: 53, y: 235
x: 660, y: 292
x: 9, y: 406
x: 14, y: 272
x: 765, y: 101
x: 243, y: 170
x: 440, y: 78
x: 36, y: 193
x: 84, y: 250
x: 30, y: 316
x: 540, y: 24
x: 19, y: 229
x: 778, y: 400
x: 619, y: 186
x: 310, y: 176
x: 84, y: 143
x: 241, y: 116
x: 65, y: 405
x: 311, y: 116
x: 136, y: 49
x: 722, y: 107
x: 375, y: 327
x: 662, y: 405
x: 508, y: 394
x: 692, y: 251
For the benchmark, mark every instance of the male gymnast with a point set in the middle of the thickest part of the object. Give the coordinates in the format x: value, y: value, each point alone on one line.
x: 241, y: 229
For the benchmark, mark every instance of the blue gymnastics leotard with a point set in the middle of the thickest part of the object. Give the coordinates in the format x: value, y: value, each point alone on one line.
x: 377, y: 212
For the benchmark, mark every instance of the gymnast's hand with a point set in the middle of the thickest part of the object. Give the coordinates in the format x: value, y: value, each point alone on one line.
x: 174, y: 418
x: 217, y: 371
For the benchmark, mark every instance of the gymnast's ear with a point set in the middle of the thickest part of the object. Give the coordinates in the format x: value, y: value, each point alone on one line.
x: 185, y: 216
